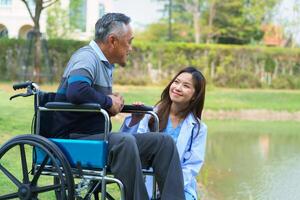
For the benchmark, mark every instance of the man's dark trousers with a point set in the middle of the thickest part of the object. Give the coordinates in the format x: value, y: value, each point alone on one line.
x: 128, y: 154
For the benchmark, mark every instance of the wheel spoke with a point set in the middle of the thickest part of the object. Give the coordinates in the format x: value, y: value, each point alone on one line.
x: 10, y: 176
x: 24, y: 164
x: 38, y: 173
x: 45, y: 188
x: 9, y: 196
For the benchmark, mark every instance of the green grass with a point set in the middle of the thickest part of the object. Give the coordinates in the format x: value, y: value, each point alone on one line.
x: 16, y: 115
x: 235, y: 99
x: 224, y: 99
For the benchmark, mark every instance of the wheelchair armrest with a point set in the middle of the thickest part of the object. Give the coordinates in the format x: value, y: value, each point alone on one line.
x: 133, y: 108
x: 64, y: 105
x: 143, y: 110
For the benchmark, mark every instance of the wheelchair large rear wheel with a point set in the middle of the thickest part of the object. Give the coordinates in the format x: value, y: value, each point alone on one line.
x: 24, y: 176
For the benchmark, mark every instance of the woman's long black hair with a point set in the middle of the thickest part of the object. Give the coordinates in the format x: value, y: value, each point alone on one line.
x: 195, y: 105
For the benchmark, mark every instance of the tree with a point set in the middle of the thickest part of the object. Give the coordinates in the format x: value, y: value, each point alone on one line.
x: 58, y: 22
x: 184, y: 12
x: 189, y: 12
x: 223, y: 21
x: 35, y: 15
x: 211, y: 17
x: 194, y: 6
x: 235, y: 21
x: 158, y: 32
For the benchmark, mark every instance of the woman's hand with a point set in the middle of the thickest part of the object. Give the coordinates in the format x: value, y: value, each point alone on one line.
x: 136, y: 117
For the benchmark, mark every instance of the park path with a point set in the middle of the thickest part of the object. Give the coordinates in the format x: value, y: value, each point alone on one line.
x: 253, y: 115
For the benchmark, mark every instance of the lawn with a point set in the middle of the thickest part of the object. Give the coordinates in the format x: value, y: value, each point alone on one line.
x: 225, y: 99
x: 16, y: 115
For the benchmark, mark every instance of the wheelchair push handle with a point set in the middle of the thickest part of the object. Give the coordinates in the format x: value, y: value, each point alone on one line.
x: 32, y: 88
x: 23, y: 85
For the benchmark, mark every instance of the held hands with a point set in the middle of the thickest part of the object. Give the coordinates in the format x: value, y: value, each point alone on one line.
x: 117, y: 104
x: 136, y: 117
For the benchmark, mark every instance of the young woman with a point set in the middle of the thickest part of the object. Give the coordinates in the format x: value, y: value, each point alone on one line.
x: 179, y: 111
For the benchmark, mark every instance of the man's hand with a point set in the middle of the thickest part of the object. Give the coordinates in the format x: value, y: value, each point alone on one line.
x: 117, y: 104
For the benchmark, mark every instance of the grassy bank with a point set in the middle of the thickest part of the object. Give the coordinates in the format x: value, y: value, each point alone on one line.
x: 16, y: 115
x: 225, y: 99
x: 216, y: 98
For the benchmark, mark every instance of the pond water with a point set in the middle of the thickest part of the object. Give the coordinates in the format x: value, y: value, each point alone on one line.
x: 251, y: 166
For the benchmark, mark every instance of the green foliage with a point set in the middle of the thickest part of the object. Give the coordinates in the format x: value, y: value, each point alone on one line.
x: 58, y: 22
x: 244, y: 79
x: 78, y: 14
x: 9, y: 63
x: 121, y: 76
x: 158, y: 32
x: 223, y: 65
x: 238, y: 79
x: 155, y: 32
x: 269, y: 65
x: 239, y: 22
x: 225, y: 21
x: 285, y: 82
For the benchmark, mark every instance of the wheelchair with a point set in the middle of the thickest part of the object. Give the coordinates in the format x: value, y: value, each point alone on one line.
x: 68, y: 169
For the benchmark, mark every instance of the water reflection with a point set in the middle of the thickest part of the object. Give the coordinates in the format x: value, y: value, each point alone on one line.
x: 252, y: 166
x: 264, y: 141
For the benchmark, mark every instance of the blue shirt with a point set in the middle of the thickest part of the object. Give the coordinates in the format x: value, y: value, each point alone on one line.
x: 86, y: 79
x: 173, y: 132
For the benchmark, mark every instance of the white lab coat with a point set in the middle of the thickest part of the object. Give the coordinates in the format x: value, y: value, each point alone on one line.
x: 191, y: 162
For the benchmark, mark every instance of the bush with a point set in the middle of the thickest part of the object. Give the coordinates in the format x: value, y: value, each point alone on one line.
x: 286, y: 82
x: 129, y: 77
x: 222, y: 79
x: 243, y: 79
x: 223, y: 65
x: 239, y: 79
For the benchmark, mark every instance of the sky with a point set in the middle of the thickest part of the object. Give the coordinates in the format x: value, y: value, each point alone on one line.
x: 141, y: 12
x: 288, y: 15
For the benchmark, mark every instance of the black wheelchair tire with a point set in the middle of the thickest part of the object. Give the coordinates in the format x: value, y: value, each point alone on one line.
x: 29, y: 189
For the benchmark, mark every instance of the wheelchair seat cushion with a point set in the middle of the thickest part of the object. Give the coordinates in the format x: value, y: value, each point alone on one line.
x: 90, y: 154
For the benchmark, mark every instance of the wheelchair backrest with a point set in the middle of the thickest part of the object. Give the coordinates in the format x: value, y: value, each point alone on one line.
x: 46, y: 118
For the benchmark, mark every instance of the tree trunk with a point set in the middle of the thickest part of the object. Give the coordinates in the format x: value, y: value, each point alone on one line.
x: 212, y: 14
x: 37, y: 58
x: 39, y: 6
x: 38, y: 43
x: 194, y: 8
x: 196, y: 19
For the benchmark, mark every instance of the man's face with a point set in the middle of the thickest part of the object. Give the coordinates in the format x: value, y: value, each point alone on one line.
x: 123, y: 46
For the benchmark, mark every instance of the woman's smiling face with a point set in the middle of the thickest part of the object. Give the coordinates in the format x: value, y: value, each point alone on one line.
x: 182, y: 89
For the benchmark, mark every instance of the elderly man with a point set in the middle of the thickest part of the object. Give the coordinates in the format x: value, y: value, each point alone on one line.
x: 88, y: 79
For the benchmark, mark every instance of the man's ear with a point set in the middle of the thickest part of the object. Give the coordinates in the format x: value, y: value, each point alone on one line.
x: 112, y: 39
